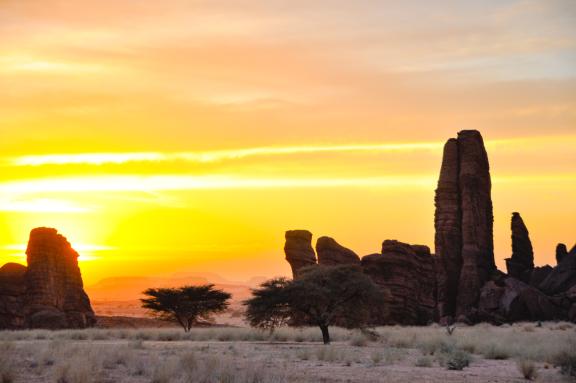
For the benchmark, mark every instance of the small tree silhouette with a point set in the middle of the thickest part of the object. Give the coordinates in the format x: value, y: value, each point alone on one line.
x: 321, y: 296
x: 186, y: 304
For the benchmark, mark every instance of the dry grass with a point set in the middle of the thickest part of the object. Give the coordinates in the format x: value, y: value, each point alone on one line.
x: 239, y: 355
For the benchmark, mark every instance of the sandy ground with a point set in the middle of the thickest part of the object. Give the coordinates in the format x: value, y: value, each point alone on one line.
x: 287, y: 361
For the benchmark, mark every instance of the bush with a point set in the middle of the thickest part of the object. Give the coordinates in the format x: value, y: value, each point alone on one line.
x: 496, y: 353
x: 359, y: 340
x: 423, y: 361
x: 458, y: 360
x: 528, y: 369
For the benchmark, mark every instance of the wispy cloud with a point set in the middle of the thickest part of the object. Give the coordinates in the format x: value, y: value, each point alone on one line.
x: 212, y: 156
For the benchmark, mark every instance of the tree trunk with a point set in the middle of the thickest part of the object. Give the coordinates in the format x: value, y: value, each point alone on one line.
x: 325, y: 334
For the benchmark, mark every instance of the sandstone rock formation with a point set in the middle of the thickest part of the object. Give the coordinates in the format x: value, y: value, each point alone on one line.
x: 12, y: 289
x: 49, y: 291
x: 511, y: 300
x: 464, y: 224
x: 407, y: 276
x: 461, y: 282
x: 561, y: 252
x: 521, y: 264
x: 562, y: 277
x: 298, y: 250
x: 331, y: 253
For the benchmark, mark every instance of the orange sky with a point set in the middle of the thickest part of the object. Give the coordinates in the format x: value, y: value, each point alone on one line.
x: 173, y: 136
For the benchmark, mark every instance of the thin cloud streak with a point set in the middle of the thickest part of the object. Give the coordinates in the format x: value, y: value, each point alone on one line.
x: 210, y: 156
x: 232, y: 154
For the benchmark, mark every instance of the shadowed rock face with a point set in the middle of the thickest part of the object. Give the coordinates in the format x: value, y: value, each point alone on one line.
x: 407, y: 277
x: 50, y: 289
x: 464, y: 224
x: 562, y: 277
x: 521, y: 264
x: 561, y: 252
x: 331, y: 253
x: 448, y: 225
x: 12, y: 288
x: 298, y: 250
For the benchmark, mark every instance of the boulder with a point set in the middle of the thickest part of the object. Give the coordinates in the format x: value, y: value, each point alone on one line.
x: 298, y: 250
x: 331, y: 253
x: 522, y: 302
x: 562, y: 277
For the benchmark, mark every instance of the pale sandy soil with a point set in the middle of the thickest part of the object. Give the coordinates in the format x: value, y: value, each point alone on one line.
x: 240, y: 356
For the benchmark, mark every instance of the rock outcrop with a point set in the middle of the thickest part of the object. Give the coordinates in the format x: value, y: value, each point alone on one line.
x: 331, y: 253
x: 49, y: 291
x: 406, y: 275
x: 298, y: 250
x: 510, y: 300
x: 561, y: 252
x: 521, y: 264
x: 464, y: 225
x: 562, y: 277
x: 12, y: 289
x: 461, y: 282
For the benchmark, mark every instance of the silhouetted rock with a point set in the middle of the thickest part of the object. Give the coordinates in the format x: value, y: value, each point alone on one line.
x: 12, y: 290
x: 561, y: 252
x: 331, y: 253
x: 562, y: 277
x: 49, y: 292
x: 521, y: 263
x: 448, y: 225
x: 464, y: 225
x: 298, y: 250
x: 513, y: 300
x: 539, y: 274
x: 523, y: 302
x: 407, y: 277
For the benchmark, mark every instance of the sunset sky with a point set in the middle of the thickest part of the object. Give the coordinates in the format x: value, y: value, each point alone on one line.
x: 172, y: 136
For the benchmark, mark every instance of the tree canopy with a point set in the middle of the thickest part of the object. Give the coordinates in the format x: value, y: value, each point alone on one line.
x: 322, y: 296
x: 187, y: 304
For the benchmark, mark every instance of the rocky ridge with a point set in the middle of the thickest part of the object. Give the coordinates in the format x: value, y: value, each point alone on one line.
x: 460, y: 282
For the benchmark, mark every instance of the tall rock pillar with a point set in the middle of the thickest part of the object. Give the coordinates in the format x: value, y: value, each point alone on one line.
x: 464, y: 224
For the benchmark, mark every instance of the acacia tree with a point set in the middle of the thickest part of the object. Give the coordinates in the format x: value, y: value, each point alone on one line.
x: 322, y: 296
x: 186, y: 304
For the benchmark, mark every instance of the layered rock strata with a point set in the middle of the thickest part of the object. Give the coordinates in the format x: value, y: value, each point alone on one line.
x: 50, y: 290
x: 464, y: 225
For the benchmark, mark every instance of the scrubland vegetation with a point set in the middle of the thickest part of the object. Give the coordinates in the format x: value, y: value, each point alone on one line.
x: 477, y: 353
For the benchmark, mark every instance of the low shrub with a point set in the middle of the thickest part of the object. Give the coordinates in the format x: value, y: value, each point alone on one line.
x: 423, y: 361
x: 497, y: 353
x: 458, y: 360
x: 528, y: 369
x: 566, y: 360
x: 359, y: 340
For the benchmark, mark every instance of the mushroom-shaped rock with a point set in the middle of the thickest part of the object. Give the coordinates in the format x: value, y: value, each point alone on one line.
x: 298, y: 250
